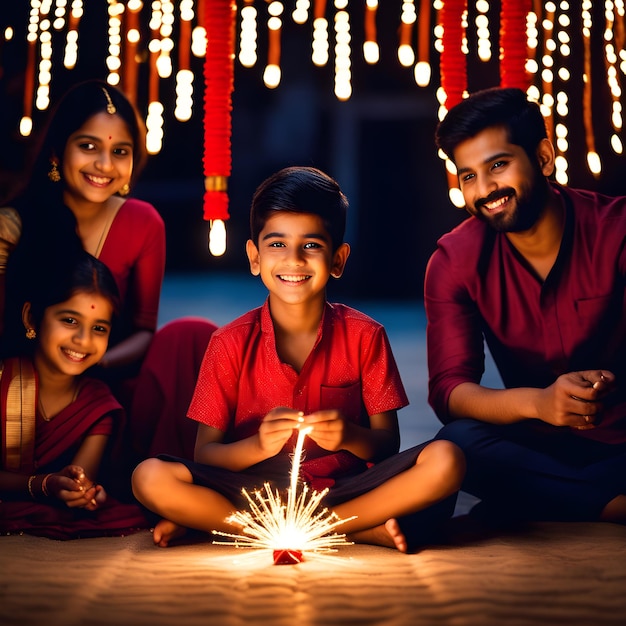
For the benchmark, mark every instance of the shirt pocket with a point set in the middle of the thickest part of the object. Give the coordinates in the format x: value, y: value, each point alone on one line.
x: 593, y: 308
x: 345, y: 399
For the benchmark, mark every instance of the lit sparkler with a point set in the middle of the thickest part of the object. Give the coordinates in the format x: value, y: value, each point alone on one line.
x: 290, y: 529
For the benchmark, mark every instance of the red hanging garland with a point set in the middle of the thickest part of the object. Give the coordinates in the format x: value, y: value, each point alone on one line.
x: 513, y: 46
x: 452, y: 63
x: 219, y: 22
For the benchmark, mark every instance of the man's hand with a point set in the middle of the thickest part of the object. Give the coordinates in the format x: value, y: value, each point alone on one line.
x: 575, y: 399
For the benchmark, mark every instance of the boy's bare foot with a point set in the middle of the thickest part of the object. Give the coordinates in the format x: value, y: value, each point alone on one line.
x: 166, y: 531
x: 395, y: 532
x: 388, y: 535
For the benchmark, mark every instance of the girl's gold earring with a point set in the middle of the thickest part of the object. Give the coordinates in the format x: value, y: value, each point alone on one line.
x: 54, y: 174
x: 31, y: 333
x: 125, y: 190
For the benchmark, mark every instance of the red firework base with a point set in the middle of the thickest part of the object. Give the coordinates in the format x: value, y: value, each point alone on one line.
x: 287, y: 557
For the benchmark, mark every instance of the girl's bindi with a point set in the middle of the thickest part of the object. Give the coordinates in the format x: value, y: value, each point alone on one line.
x: 93, y: 306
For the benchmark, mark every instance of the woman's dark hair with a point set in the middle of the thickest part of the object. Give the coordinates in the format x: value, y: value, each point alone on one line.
x: 82, y: 102
x: 48, y: 225
x: 76, y: 106
x: 508, y: 108
x: 300, y: 189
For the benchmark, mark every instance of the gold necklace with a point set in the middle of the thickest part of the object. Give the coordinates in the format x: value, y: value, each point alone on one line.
x: 42, y: 410
x: 105, y: 230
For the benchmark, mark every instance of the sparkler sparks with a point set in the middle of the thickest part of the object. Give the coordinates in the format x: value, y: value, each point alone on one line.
x: 290, y: 529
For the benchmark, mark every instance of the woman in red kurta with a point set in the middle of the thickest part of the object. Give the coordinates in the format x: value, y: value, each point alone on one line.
x: 91, y: 154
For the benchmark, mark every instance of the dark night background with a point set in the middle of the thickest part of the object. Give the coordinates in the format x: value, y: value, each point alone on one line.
x: 378, y: 145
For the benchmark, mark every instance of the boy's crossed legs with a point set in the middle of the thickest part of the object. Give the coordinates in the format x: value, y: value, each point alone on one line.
x: 167, y: 489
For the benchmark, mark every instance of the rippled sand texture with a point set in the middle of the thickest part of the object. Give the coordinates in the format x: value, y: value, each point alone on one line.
x: 550, y: 573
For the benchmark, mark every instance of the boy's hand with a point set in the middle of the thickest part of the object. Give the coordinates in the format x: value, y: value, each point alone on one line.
x: 330, y: 431
x: 276, y: 429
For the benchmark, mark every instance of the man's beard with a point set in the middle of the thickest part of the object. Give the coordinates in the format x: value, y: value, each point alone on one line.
x: 530, y: 204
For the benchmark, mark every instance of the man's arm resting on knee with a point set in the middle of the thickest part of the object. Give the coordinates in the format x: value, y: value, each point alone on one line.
x: 574, y: 400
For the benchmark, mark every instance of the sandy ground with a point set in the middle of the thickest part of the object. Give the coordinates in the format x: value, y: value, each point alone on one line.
x: 549, y: 573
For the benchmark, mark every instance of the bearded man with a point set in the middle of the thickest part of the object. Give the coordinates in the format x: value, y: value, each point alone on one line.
x: 537, y: 273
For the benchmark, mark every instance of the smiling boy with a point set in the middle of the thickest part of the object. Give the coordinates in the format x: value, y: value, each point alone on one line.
x: 300, y: 360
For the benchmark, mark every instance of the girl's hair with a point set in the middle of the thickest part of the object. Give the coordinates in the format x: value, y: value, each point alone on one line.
x: 65, y: 276
x: 300, y: 189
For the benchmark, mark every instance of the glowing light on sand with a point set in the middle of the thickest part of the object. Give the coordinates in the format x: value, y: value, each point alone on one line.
x: 288, y: 530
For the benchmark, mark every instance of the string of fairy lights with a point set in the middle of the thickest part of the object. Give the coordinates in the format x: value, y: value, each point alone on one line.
x: 533, y: 40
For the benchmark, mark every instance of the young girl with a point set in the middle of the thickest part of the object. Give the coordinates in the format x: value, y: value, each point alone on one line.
x: 57, y: 424
x: 91, y: 153
x: 301, y: 361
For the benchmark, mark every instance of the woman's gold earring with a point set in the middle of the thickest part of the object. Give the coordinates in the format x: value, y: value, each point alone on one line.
x: 125, y: 190
x: 31, y: 333
x: 54, y: 174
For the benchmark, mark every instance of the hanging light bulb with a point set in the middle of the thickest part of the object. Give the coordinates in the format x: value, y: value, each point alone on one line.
x: 272, y: 72
x: 319, y: 46
x: 611, y: 62
x: 198, y: 33
x: 71, y: 41
x: 248, y: 35
x: 219, y: 21
x: 184, y: 75
x: 371, y: 52
x: 593, y: 158
x: 562, y: 145
x: 301, y: 11
x: 482, y: 30
x: 217, y: 237
x: 406, y: 54
x: 343, y: 74
x: 26, y: 126
x: 595, y: 165
x: 422, y: 71
x: 456, y: 197
x: 113, y: 60
x: 616, y: 144
x: 184, y: 95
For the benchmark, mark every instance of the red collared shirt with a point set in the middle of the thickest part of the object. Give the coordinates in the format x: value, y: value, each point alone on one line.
x: 351, y: 368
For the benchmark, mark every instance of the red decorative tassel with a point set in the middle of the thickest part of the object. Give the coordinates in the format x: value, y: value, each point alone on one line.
x: 452, y: 63
x: 514, y: 49
x: 219, y: 22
